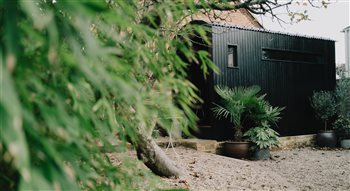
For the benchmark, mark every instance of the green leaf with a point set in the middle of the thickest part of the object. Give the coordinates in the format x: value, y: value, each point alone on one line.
x: 12, y: 134
x: 37, y: 182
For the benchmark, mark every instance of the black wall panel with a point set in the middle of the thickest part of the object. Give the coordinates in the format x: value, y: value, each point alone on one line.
x: 288, y: 84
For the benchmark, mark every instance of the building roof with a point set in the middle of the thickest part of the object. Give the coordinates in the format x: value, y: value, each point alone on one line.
x: 239, y: 17
x: 269, y: 31
x: 346, y: 29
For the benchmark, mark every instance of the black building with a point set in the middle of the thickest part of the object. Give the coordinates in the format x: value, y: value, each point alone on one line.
x: 287, y: 67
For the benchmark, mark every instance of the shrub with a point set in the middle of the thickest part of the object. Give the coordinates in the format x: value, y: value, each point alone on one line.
x: 342, y: 96
x: 262, y: 136
x: 342, y: 126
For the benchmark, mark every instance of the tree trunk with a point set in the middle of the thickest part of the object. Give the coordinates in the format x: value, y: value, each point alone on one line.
x: 154, y: 157
x: 238, y: 133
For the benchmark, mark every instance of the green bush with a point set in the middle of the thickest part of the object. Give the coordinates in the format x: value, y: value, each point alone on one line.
x: 342, y: 96
x: 262, y: 136
x: 342, y: 126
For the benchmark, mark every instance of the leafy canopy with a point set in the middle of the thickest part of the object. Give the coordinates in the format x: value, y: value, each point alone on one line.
x: 324, y: 105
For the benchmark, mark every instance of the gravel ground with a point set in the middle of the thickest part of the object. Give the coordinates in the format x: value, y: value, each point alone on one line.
x: 297, y: 169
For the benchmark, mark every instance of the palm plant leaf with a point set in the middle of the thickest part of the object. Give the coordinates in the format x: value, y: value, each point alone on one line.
x: 240, y: 104
x: 231, y: 111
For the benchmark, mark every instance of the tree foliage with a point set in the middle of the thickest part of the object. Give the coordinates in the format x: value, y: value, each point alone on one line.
x: 324, y: 105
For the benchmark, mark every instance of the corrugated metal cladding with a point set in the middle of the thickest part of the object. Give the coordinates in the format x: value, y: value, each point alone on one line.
x: 288, y: 84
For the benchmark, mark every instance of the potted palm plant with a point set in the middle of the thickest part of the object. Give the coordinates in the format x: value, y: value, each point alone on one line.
x: 324, y: 105
x: 241, y: 105
x: 233, y: 106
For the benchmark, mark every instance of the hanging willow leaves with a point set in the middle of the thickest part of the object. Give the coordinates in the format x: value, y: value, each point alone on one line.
x: 77, y: 73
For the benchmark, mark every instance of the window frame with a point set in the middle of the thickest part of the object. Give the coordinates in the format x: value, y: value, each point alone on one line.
x: 318, y: 56
x: 235, y: 56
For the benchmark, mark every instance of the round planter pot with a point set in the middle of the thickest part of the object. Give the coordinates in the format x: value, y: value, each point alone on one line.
x: 345, y: 143
x: 237, y: 149
x: 261, y: 154
x: 326, y: 139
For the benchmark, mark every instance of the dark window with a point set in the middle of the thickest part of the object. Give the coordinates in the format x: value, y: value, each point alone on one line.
x: 289, y: 56
x: 232, y: 56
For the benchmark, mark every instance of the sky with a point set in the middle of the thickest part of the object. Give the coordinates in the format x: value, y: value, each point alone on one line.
x: 324, y: 22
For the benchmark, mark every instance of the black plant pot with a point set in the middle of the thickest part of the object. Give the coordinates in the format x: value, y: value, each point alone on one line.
x: 345, y: 143
x: 237, y: 149
x: 326, y: 139
x: 261, y: 154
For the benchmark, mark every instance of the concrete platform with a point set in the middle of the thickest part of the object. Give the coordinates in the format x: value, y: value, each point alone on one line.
x: 291, y: 142
x: 213, y: 146
x: 204, y: 145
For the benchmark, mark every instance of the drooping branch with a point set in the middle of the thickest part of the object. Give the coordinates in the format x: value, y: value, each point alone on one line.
x: 154, y: 157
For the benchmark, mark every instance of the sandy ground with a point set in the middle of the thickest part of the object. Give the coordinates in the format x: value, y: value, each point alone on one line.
x: 297, y: 169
